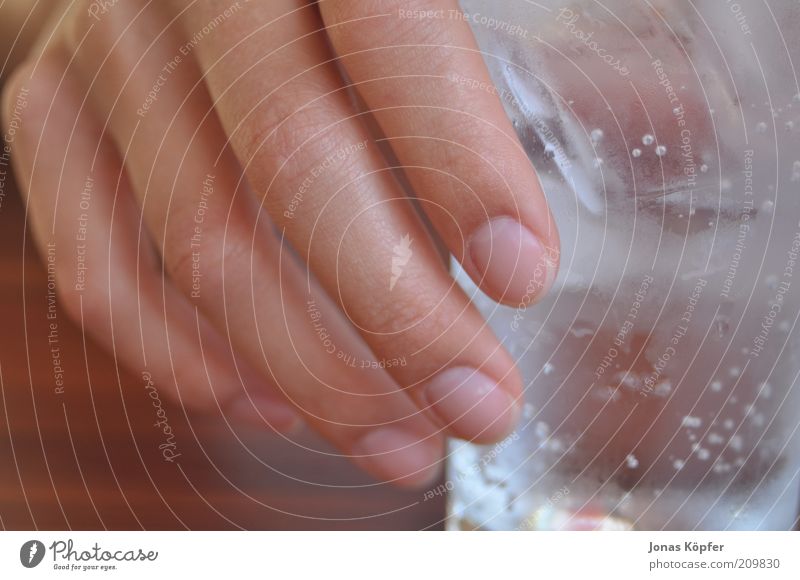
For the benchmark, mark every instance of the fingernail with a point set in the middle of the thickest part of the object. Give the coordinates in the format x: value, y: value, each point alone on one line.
x: 512, y: 261
x: 392, y: 454
x: 471, y: 404
x: 266, y: 411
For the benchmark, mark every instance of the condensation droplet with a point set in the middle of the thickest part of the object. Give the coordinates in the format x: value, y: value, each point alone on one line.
x: 715, y: 438
x: 734, y: 371
x: 761, y: 127
x: 631, y: 461
x: 547, y: 368
x: 597, y: 135
x: 648, y: 140
x: 768, y: 206
x: 703, y: 168
x: 636, y: 152
x: 678, y: 464
x: 728, y: 424
x: 716, y: 386
x: 771, y: 282
x: 703, y: 454
x: 661, y: 150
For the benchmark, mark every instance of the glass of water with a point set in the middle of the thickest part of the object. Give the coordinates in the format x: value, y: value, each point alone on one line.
x: 661, y: 371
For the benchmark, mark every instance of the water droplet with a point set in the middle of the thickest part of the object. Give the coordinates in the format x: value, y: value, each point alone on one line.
x: 648, y: 140
x: 725, y: 185
x: 527, y: 411
x: 703, y: 168
x: 678, y: 464
x: 703, y: 454
x: 547, y: 368
x: 728, y: 424
x: 768, y: 206
x: 761, y: 127
x: 716, y: 386
x: 661, y: 150
x: 715, y: 438
x: 597, y: 135
x: 734, y: 372
x: 598, y: 162
x: 789, y: 125
x: 771, y: 282
x: 631, y: 461
x: 636, y: 152
x: 736, y: 443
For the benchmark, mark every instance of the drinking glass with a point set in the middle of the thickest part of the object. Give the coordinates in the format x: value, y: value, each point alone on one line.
x: 661, y: 371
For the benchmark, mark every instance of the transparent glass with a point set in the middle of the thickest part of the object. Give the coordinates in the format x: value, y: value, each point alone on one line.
x: 661, y: 371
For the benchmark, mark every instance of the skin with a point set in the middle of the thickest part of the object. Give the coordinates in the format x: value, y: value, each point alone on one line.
x: 296, y: 133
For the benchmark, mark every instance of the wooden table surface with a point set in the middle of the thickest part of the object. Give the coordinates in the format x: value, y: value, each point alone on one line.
x: 89, y: 458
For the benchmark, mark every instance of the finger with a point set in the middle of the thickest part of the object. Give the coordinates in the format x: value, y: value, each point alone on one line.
x: 415, y: 64
x: 281, y: 101
x: 85, y: 224
x: 205, y: 223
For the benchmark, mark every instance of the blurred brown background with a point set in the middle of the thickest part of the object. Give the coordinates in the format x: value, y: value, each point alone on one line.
x: 89, y: 458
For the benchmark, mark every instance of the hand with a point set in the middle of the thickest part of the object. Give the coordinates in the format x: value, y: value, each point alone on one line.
x: 220, y: 209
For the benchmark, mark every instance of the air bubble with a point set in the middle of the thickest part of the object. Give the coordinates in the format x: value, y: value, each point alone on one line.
x: 692, y: 422
x: 721, y: 326
x: 648, y: 140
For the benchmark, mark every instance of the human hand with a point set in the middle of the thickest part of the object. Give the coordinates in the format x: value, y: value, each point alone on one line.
x: 216, y: 208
